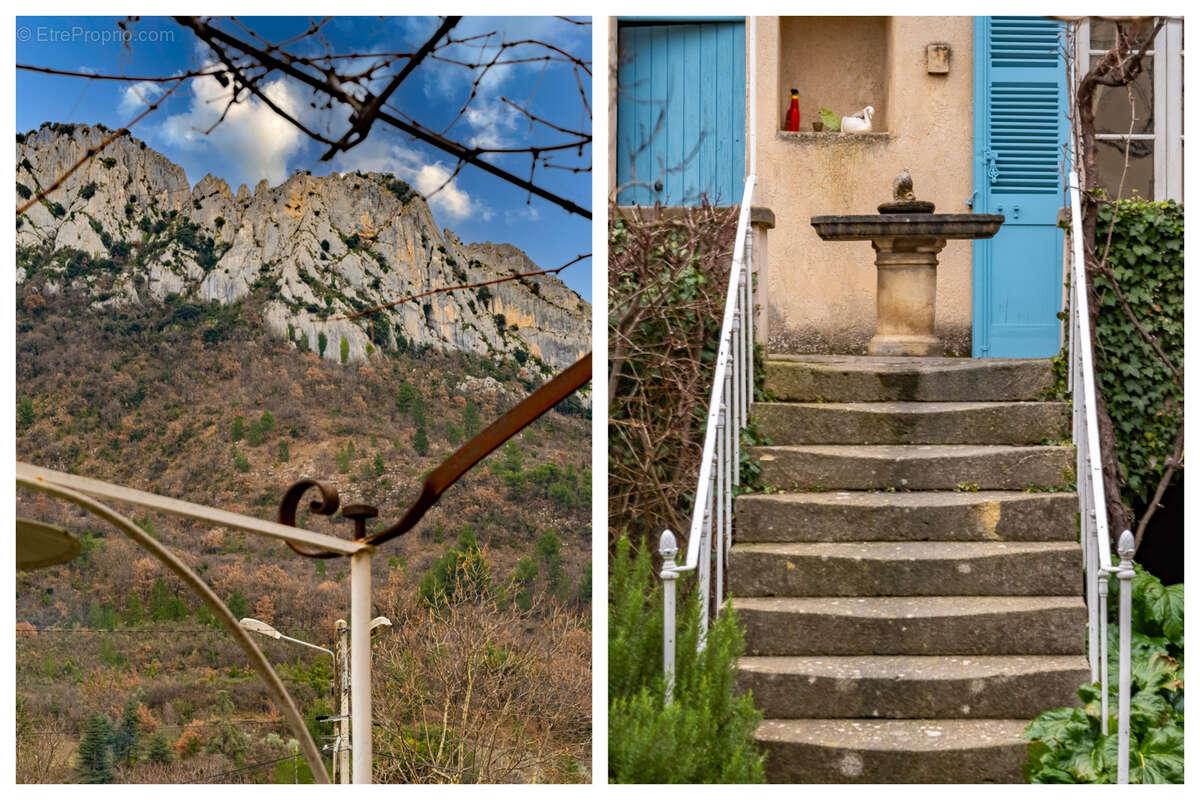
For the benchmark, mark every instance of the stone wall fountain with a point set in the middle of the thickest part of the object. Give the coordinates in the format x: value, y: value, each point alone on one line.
x: 907, y: 237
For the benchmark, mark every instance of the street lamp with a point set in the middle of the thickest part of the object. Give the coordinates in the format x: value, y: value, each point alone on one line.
x: 342, y: 744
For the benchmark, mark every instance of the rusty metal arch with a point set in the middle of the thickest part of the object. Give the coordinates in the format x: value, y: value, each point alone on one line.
x: 259, y: 661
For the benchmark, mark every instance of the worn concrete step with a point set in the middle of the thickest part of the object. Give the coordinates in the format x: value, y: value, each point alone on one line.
x: 893, y: 751
x: 942, y: 466
x: 912, y: 687
x: 854, y: 569
x: 906, y: 516
x: 815, y: 378
x: 913, y: 423
x: 847, y: 626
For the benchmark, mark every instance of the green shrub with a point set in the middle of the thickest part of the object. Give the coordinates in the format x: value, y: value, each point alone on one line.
x: 406, y: 395
x: 421, y: 441
x: 344, y: 350
x: 237, y: 604
x: 135, y: 610
x: 470, y: 418
x: 283, y: 450
x: 158, y: 749
x: 238, y: 430
x: 342, y: 457
x: 240, y: 461
x: 707, y: 734
x: 25, y: 415
x: 462, y: 574
x: 1066, y: 744
x: 322, y: 343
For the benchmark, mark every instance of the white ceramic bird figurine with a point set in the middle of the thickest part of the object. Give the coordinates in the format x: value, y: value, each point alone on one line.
x: 859, y: 123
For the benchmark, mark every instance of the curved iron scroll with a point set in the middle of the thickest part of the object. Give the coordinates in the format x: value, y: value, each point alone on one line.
x: 447, y: 474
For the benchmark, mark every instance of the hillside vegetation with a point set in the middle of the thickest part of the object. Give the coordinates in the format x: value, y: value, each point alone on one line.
x: 121, y: 672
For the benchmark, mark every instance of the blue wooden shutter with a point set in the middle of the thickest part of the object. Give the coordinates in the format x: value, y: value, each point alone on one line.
x: 1020, y: 134
x: 681, y: 113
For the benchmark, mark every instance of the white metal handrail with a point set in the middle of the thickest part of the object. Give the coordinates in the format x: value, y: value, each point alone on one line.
x: 1093, y: 514
x: 728, y: 408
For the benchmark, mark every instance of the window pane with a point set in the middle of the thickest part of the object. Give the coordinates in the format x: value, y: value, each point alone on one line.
x: 1112, y: 107
x: 1104, y: 33
x: 1110, y: 161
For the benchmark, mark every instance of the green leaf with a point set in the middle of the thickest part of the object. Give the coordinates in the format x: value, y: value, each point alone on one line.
x: 1159, y: 758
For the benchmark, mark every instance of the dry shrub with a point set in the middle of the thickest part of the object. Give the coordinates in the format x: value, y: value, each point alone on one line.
x: 667, y: 279
x: 481, y: 692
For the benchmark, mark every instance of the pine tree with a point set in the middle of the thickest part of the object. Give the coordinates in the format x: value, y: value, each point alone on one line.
x: 135, y: 610
x: 94, y: 762
x: 158, y: 750
x: 238, y: 429
x: 125, y: 738
x: 471, y: 418
x: 421, y: 441
x: 237, y: 604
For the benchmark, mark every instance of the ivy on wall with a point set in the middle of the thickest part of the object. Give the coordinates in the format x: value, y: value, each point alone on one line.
x: 1143, y: 393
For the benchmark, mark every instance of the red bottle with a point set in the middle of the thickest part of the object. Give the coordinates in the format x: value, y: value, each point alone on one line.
x: 793, y: 114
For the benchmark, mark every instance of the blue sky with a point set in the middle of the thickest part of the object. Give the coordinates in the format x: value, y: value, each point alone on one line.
x: 253, y: 143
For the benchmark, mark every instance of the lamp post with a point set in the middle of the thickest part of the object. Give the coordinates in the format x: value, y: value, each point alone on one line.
x: 341, y: 661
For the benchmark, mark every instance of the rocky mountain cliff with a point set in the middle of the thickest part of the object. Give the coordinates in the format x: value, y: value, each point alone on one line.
x: 128, y: 228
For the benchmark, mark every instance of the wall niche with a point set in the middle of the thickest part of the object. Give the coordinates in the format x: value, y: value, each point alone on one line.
x: 839, y: 63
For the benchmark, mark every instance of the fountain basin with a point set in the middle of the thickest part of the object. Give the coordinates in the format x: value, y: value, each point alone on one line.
x: 859, y: 227
x: 906, y: 247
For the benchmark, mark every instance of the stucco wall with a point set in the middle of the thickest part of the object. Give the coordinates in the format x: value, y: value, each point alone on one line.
x: 821, y: 295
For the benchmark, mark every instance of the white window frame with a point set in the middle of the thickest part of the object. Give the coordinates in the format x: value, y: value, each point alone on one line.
x: 1168, y: 104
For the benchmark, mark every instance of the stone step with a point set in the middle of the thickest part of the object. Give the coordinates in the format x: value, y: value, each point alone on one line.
x: 847, y: 626
x: 855, y: 569
x: 906, y: 516
x: 893, y: 751
x: 944, y: 466
x: 913, y: 423
x: 912, y: 687
x: 831, y: 378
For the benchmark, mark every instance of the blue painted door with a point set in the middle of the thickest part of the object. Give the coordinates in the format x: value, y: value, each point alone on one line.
x: 681, y: 112
x: 1020, y: 137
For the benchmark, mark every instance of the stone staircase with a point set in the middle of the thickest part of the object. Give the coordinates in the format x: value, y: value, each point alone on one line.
x: 908, y: 607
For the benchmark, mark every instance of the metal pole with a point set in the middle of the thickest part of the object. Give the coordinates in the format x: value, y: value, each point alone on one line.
x: 722, y: 479
x: 1102, y: 602
x: 342, y: 750
x: 360, y: 664
x: 1125, y: 575
x: 750, y: 312
x: 667, y: 548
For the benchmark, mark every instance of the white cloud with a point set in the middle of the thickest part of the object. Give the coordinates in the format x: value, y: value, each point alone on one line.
x: 137, y: 96
x: 491, y: 123
x: 430, y: 179
x: 256, y: 141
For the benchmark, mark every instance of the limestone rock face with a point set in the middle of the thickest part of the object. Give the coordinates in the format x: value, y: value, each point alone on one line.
x: 315, y: 249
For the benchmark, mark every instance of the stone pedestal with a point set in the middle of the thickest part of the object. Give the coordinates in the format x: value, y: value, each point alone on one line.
x: 905, y: 297
x: 906, y: 248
